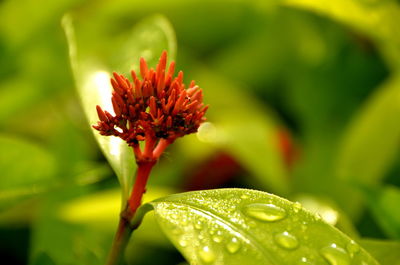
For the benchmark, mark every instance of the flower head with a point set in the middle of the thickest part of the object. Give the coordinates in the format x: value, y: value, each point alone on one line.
x: 156, y: 109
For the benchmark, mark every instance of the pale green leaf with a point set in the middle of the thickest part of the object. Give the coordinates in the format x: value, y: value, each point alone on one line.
x: 239, y: 226
x: 385, y: 251
x: 94, y: 54
x: 370, y: 144
x: 100, y: 210
x: 329, y: 212
x: 377, y: 19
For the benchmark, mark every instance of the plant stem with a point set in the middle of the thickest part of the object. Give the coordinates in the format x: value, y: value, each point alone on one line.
x: 125, y: 226
x: 139, y: 188
x: 120, y: 242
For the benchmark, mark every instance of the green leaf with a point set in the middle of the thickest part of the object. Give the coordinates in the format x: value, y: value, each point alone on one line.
x: 370, y: 144
x: 241, y: 125
x: 95, y: 53
x: 100, y: 210
x: 329, y: 212
x: 384, y: 204
x: 239, y: 226
x: 62, y: 242
x: 24, y: 166
x: 43, y: 259
x: 386, y: 252
x: 377, y: 19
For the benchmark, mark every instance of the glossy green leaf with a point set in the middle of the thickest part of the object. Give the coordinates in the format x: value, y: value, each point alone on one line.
x: 239, y: 226
x: 377, y: 19
x: 93, y: 59
x: 371, y: 143
x: 385, y: 251
x: 384, y: 204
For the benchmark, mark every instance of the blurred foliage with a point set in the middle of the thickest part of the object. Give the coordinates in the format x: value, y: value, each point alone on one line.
x: 304, y: 95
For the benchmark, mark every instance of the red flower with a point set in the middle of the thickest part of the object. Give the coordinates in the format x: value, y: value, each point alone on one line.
x: 157, y: 109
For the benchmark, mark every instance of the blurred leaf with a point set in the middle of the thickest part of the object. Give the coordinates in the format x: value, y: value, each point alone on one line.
x: 63, y: 242
x: 23, y: 164
x: 238, y: 226
x: 240, y: 125
x: 386, y: 252
x: 377, y: 19
x: 17, y: 31
x: 43, y: 259
x: 93, y: 63
x: 16, y: 94
x: 384, y: 204
x: 19, y: 205
x: 371, y: 143
x: 329, y: 212
x: 101, y: 210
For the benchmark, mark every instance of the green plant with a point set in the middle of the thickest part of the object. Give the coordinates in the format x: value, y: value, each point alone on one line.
x: 227, y: 226
x: 303, y: 99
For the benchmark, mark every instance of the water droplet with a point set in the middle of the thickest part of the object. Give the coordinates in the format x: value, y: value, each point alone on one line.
x: 252, y: 224
x: 304, y: 261
x: 244, y: 196
x: 198, y: 225
x: 200, y: 237
x: 296, y: 207
x: 352, y: 247
x: 206, y: 254
x: 317, y: 217
x: 183, y: 243
x: 286, y: 240
x: 218, y: 237
x: 231, y: 208
x: 233, y: 245
x: 335, y: 255
x: 265, y: 212
x: 174, y: 216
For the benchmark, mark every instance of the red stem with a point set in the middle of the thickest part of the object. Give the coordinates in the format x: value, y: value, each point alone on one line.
x: 137, y: 151
x: 148, y: 148
x: 162, y: 144
x: 139, y: 188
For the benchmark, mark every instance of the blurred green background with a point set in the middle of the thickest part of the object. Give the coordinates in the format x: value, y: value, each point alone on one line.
x: 304, y: 103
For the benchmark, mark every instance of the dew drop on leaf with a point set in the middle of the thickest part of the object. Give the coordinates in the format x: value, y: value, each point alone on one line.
x: 252, y: 224
x: 182, y: 242
x: 174, y: 216
x: 200, y: 237
x: 286, y: 240
x: 335, y: 255
x: 233, y: 245
x: 206, y: 254
x: 265, y: 212
x: 198, y: 225
x: 296, y: 207
x: 244, y: 196
x: 352, y: 247
x: 305, y: 261
x: 218, y: 237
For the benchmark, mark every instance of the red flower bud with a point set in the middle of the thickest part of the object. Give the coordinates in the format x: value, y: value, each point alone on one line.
x: 157, y: 109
